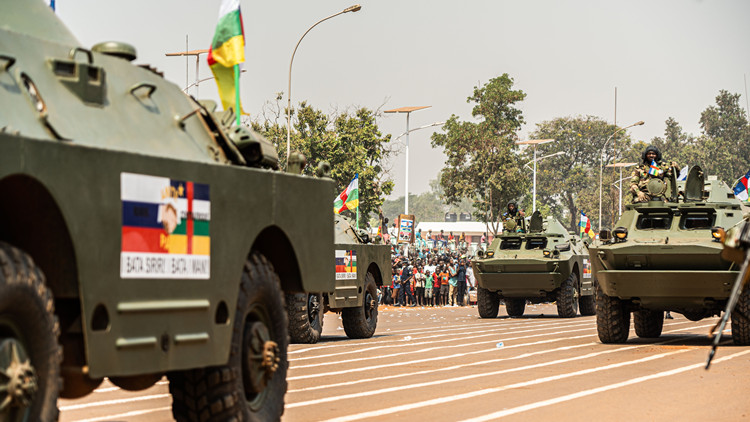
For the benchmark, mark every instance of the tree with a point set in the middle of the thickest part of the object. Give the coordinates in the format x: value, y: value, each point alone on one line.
x: 482, y: 162
x: 427, y: 206
x: 676, y: 145
x: 350, y: 142
x: 725, y: 145
x: 569, y: 183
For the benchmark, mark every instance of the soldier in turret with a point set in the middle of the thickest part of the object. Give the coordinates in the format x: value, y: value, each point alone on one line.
x: 513, y: 214
x: 651, y: 167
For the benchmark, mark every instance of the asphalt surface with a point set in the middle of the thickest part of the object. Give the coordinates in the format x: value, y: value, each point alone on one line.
x: 447, y: 364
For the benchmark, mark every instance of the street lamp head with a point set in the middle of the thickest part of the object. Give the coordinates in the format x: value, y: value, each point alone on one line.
x: 355, y: 8
x: 640, y: 123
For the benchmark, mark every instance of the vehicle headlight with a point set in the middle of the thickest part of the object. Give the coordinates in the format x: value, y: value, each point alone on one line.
x: 546, y: 253
x: 621, y: 233
x: 490, y: 254
x: 718, y: 233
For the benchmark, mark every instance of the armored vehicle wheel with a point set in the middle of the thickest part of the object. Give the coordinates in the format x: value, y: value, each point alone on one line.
x: 305, y: 311
x: 587, y: 305
x: 251, y: 386
x: 515, y: 306
x: 360, y: 322
x: 612, y: 319
x: 488, y: 303
x: 648, y: 324
x: 567, y: 297
x: 29, y: 351
x: 740, y: 321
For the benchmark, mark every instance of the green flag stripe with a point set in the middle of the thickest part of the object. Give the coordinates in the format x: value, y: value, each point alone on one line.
x: 229, y: 26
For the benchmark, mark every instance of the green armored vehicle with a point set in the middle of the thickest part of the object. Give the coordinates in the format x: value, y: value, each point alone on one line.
x: 539, y: 263
x: 664, y: 255
x: 140, y: 235
x: 362, y: 265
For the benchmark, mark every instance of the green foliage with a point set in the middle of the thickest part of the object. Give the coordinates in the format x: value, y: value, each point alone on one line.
x: 569, y: 183
x: 724, y: 148
x: 427, y: 206
x: 482, y: 163
x: 350, y: 142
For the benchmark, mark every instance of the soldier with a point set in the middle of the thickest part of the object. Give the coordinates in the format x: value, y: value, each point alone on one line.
x: 513, y: 213
x: 651, y: 167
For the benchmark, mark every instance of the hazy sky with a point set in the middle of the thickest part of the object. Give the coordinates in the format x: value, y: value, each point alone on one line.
x: 666, y: 58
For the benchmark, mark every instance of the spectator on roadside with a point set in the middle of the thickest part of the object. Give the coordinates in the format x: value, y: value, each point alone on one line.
x: 428, y: 288
x: 419, y: 278
x: 396, y: 285
x: 444, y: 276
x: 405, y: 294
x: 452, y: 281
x: 461, y: 282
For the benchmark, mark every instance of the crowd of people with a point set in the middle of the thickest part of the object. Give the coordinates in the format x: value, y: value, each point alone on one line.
x: 429, y: 277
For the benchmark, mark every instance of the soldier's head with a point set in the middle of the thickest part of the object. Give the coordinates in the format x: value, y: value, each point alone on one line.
x: 512, y: 208
x: 651, y: 153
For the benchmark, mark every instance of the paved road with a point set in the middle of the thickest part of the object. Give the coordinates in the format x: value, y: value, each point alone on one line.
x: 447, y: 364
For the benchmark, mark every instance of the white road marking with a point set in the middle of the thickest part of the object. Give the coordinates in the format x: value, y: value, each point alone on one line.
x: 128, y: 414
x: 455, y: 397
x: 430, y: 371
x: 602, y: 389
x: 449, y: 368
x: 388, y: 365
x: 418, y: 341
x: 430, y: 329
x: 113, y: 402
x: 486, y: 374
x: 110, y: 389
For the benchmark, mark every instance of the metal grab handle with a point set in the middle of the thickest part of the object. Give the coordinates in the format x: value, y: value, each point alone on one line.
x: 75, y: 50
x: 9, y: 61
x: 150, y: 87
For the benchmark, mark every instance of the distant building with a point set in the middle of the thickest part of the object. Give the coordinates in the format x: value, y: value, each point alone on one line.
x: 472, y: 229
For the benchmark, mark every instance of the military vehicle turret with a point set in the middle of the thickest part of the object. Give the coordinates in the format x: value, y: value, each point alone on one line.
x: 664, y: 255
x: 140, y: 235
x: 536, y: 261
x: 362, y: 265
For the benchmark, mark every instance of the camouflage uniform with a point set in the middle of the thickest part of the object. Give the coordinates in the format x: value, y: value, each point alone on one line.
x: 517, y: 217
x: 640, y: 178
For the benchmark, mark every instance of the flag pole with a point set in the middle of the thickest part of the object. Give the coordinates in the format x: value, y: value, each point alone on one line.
x: 237, y: 107
x: 356, y: 176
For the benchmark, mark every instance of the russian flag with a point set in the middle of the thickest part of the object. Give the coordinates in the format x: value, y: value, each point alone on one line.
x: 741, y: 188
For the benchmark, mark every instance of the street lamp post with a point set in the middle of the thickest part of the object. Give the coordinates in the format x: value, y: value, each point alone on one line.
x: 355, y: 8
x: 601, y: 165
x: 620, y: 166
x: 408, y: 111
x: 535, y: 142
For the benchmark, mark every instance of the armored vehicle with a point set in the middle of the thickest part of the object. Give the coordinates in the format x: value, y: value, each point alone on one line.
x: 362, y: 265
x: 537, y: 262
x: 664, y: 255
x: 140, y: 235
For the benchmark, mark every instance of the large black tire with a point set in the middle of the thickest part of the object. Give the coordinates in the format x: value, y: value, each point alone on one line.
x: 305, y: 312
x: 741, y: 319
x: 587, y: 305
x: 30, y: 353
x: 488, y: 303
x: 515, y: 306
x: 361, y: 321
x: 648, y: 324
x: 567, y: 297
x: 251, y: 386
x: 612, y: 319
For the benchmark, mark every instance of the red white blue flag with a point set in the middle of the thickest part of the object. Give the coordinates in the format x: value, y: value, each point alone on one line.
x: 741, y: 188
